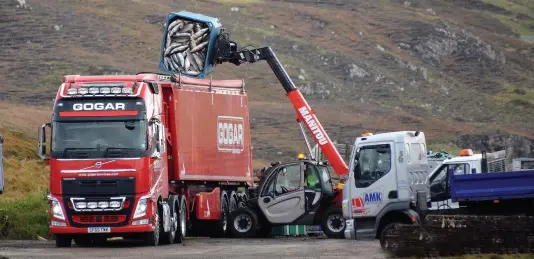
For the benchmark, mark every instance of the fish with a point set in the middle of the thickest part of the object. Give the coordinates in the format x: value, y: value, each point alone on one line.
x: 198, y: 60
x: 192, y: 43
x: 179, y: 39
x: 186, y: 28
x: 180, y: 59
x: 178, y: 49
x: 183, y: 34
x: 187, y: 64
x: 192, y: 73
x: 176, y: 22
x: 175, y: 61
x: 199, y: 47
x: 199, y: 34
x: 192, y: 60
x: 171, y: 47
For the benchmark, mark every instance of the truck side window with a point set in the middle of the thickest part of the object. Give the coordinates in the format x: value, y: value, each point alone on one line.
x: 374, y: 162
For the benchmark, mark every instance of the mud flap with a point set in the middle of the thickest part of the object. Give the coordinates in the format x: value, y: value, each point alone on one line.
x: 166, y: 217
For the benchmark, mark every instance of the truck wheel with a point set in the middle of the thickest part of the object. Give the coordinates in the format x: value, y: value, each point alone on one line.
x: 233, y: 202
x: 244, y: 223
x: 83, y: 241
x: 181, y: 229
x: 333, y: 224
x: 384, y: 243
x: 223, y: 222
x: 152, y: 238
x: 63, y: 241
x: 169, y: 237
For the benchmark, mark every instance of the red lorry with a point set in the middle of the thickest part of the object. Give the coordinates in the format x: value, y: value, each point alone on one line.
x: 145, y: 156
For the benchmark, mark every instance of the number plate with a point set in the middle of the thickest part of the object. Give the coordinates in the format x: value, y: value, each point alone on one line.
x: 99, y: 230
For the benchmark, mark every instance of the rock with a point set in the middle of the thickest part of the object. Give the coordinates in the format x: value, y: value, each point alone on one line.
x: 355, y: 71
x: 431, y: 11
x: 380, y: 48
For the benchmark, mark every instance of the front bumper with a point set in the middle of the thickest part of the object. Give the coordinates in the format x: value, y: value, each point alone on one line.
x: 114, y: 230
x: 350, y: 232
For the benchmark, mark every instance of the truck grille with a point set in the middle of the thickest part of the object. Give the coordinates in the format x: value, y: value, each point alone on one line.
x: 98, y: 219
x: 98, y: 187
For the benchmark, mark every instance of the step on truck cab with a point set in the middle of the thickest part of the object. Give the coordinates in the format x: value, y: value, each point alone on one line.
x: 387, y: 183
x: 145, y: 156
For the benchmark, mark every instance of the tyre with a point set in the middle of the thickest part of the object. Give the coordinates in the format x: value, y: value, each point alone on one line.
x: 83, y: 241
x: 181, y: 229
x: 234, y: 202
x: 244, y: 223
x: 152, y: 238
x: 384, y: 243
x: 63, y: 241
x: 169, y: 237
x: 333, y: 224
x: 222, y: 225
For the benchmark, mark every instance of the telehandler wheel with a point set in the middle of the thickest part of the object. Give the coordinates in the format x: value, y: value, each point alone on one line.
x: 333, y: 223
x: 244, y: 223
x: 63, y: 241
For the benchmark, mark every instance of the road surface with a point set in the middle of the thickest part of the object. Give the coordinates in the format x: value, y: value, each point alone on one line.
x: 205, y: 248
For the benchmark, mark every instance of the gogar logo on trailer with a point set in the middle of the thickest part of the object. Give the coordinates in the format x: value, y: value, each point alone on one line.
x: 311, y: 122
x: 230, y: 134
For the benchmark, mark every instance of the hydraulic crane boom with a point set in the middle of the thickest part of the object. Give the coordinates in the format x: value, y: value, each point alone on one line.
x: 226, y: 51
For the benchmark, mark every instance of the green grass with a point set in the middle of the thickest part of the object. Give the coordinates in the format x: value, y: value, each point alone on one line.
x: 24, y: 218
x: 23, y: 206
x: 511, y: 93
x: 521, y: 27
x: 522, y: 7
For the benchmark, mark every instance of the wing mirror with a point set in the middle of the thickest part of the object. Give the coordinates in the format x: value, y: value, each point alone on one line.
x: 41, y: 141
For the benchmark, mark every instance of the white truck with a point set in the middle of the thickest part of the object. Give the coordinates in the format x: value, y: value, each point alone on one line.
x: 1, y: 165
x: 387, y: 183
x: 466, y: 163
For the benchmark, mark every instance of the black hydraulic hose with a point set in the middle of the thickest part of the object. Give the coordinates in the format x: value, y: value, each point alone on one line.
x: 279, y: 71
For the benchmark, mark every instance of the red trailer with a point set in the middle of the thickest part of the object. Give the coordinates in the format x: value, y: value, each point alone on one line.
x: 146, y: 156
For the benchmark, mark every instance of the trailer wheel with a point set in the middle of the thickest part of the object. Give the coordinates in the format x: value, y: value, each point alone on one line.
x: 152, y: 238
x: 244, y: 223
x: 63, y: 241
x: 181, y: 229
x: 333, y: 224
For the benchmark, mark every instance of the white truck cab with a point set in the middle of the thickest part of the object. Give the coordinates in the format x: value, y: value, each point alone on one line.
x: 387, y: 183
x: 466, y: 163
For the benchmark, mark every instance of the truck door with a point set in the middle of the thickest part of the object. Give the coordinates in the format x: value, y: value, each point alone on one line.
x: 282, y: 198
x: 1, y: 166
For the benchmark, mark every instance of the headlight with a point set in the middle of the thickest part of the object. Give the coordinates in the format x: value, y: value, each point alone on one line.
x: 92, y: 205
x: 83, y: 91
x: 103, y: 204
x: 94, y: 90
x: 57, y: 211
x: 115, y: 204
x: 81, y: 205
x: 72, y: 91
x: 140, y: 209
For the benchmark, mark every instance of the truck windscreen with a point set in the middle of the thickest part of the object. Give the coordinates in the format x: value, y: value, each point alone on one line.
x: 91, y: 139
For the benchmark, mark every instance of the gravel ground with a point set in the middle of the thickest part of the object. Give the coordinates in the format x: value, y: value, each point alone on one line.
x: 202, y: 248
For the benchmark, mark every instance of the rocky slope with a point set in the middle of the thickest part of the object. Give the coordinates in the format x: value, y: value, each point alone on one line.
x: 456, y: 69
